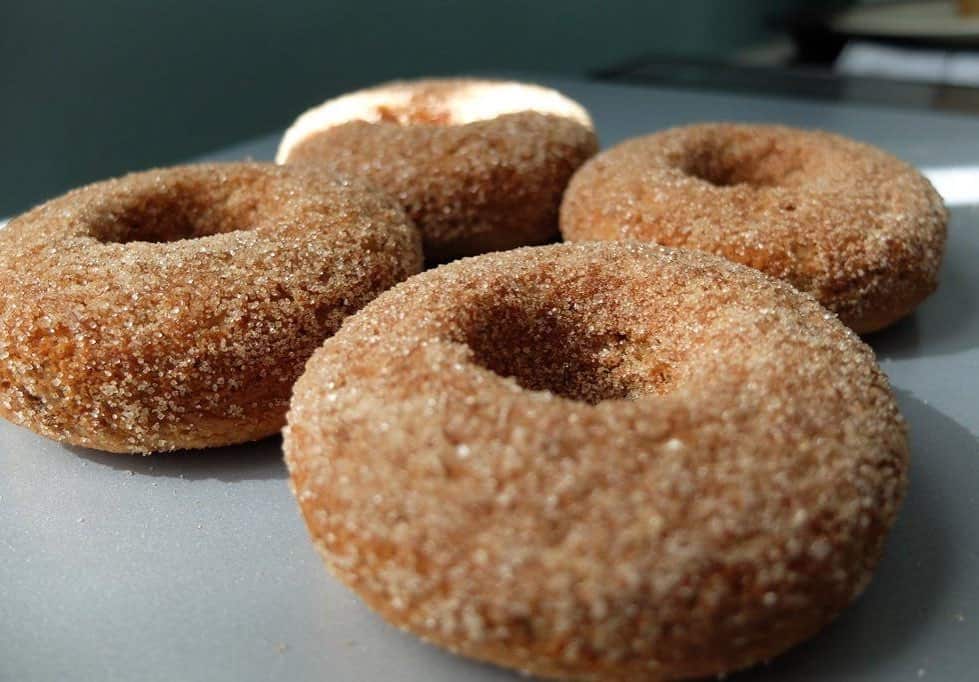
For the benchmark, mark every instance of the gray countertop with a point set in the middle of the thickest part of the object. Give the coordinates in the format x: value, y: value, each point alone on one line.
x: 196, y: 566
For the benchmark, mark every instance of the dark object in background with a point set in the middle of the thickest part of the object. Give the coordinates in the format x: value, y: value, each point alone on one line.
x: 820, y: 34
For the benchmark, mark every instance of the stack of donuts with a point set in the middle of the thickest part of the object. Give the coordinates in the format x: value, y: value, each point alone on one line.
x: 658, y: 450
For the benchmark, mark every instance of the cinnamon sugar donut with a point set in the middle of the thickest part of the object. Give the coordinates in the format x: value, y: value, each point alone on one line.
x: 605, y: 461
x: 175, y: 308
x: 857, y: 228
x: 479, y: 165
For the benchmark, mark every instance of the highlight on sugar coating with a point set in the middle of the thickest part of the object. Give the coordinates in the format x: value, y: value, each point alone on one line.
x: 607, y: 460
x: 855, y: 227
x: 174, y: 308
x: 479, y: 165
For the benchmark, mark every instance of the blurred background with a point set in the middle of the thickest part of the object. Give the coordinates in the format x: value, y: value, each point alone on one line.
x: 93, y: 89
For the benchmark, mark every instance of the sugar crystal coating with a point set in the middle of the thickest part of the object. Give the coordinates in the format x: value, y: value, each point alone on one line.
x: 479, y: 165
x: 175, y: 308
x: 857, y: 228
x: 601, y: 461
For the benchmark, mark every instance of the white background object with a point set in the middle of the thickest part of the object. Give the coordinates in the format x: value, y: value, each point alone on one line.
x: 907, y: 64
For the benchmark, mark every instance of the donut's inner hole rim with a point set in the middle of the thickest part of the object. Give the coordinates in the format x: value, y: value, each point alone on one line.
x: 176, y: 214
x: 734, y: 160
x: 565, y: 355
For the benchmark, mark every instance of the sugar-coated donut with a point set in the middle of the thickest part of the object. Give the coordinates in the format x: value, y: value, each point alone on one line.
x: 480, y: 165
x: 175, y: 308
x: 859, y: 229
x: 603, y: 461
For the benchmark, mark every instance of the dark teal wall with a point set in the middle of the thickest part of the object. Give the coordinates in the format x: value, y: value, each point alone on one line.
x: 93, y: 89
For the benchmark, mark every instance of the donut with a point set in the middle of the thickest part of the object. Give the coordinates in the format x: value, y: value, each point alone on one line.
x: 479, y: 165
x: 601, y: 461
x: 855, y: 227
x: 175, y: 308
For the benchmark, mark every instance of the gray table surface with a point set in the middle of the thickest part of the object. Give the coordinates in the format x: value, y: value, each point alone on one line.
x: 197, y: 566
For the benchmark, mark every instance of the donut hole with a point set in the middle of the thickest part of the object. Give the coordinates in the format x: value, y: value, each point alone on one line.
x: 751, y: 162
x: 173, y: 216
x: 565, y: 355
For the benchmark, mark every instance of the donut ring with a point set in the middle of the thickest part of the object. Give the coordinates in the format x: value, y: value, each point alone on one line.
x: 479, y: 165
x: 175, y: 308
x: 605, y: 461
x: 857, y: 228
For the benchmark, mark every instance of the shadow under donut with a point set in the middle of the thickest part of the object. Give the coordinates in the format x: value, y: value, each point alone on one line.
x: 256, y: 461
x: 921, y: 611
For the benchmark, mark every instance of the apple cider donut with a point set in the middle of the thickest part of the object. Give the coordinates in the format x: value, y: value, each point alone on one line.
x: 603, y: 461
x: 479, y: 165
x: 175, y: 308
x: 857, y: 228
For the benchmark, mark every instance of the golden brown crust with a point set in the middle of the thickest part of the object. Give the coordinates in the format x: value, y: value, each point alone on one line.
x: 691, y: 467
x: 857, y: 228
x: 174, y: 308
x: 471, y: 187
